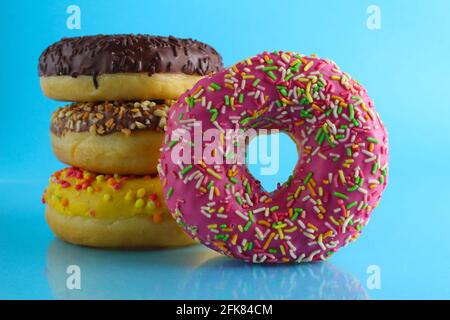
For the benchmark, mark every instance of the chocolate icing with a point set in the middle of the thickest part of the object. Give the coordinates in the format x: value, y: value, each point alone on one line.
x: 100, y: 54
x: 103, y: 118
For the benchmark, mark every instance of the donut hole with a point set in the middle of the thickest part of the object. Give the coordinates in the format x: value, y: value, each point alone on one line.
x: 271, y: 159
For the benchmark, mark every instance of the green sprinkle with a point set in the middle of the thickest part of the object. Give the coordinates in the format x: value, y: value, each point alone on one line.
x: 169, y: 193
x: 296, y: 67
x: 239, y: 200
x: 353, y: 188
x: 214, y: 86
x: 272, y: 75
x: 186, y: 169
x: 330, y: 142
x: 234, y: 180
x: 213, y: 173
x: 297, y: 211
x: 250, y: 214
x: 248, y: 188
x: 283, y: 91
x: 351, y: 205
x: 340, y: 195
x: 241, y: 98
x: 210, y: 184
x: 308, y: 177
x: 229, y: 155
x: 304, y: 101
x: 351, y: 111
x: 288, y: 77
x: 272, y: 250
x: 278, y: 225
x: 271, y: 68
x: 375, y: 168
x: 319, y: 132
x: 227, y: 100
x: 247, y: 225
x: 214, y: 115
x: 222, y: 236
x: 305, y: 114
x: 296, y: 62
x: 322, y: 137
x: 256, y: 82
x: 349, y: 152
x: 173, y: 143
x: 190, y: 101
x: 245, y: 120
x: 361, y: 181
x: 373, y: 140
x: 274, y: 208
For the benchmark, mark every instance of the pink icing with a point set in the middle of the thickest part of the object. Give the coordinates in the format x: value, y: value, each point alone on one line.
x: 338, y: 180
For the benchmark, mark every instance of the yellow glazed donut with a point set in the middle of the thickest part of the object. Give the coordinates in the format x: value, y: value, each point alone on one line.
x: 110, y: 211
x: 110, y: 137
x: 124, y: 67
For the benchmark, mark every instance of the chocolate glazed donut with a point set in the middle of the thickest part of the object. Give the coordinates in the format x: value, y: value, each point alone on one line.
x: 124, y: 67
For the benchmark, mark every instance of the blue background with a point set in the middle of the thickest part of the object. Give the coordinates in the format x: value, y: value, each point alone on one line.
x: 405, y: 68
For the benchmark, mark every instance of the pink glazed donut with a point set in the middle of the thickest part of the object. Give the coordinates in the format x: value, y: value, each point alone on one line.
x: 338, y: 180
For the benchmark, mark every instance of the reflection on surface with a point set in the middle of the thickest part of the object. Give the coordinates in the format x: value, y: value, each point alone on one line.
x: 190, y: 273
x: 320, y: 280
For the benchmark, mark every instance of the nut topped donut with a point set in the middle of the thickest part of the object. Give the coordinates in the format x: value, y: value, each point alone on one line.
x: 110, y: 137
x: 124, y: 67
x: 338, y: 180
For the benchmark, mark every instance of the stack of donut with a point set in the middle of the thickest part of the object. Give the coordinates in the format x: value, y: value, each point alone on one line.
x: 121, y: 87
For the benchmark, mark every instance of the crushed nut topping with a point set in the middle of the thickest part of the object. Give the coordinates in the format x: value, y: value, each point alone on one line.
x: 110, y: 116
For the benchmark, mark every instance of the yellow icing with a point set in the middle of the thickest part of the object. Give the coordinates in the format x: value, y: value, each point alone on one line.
x: 104, y: 196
